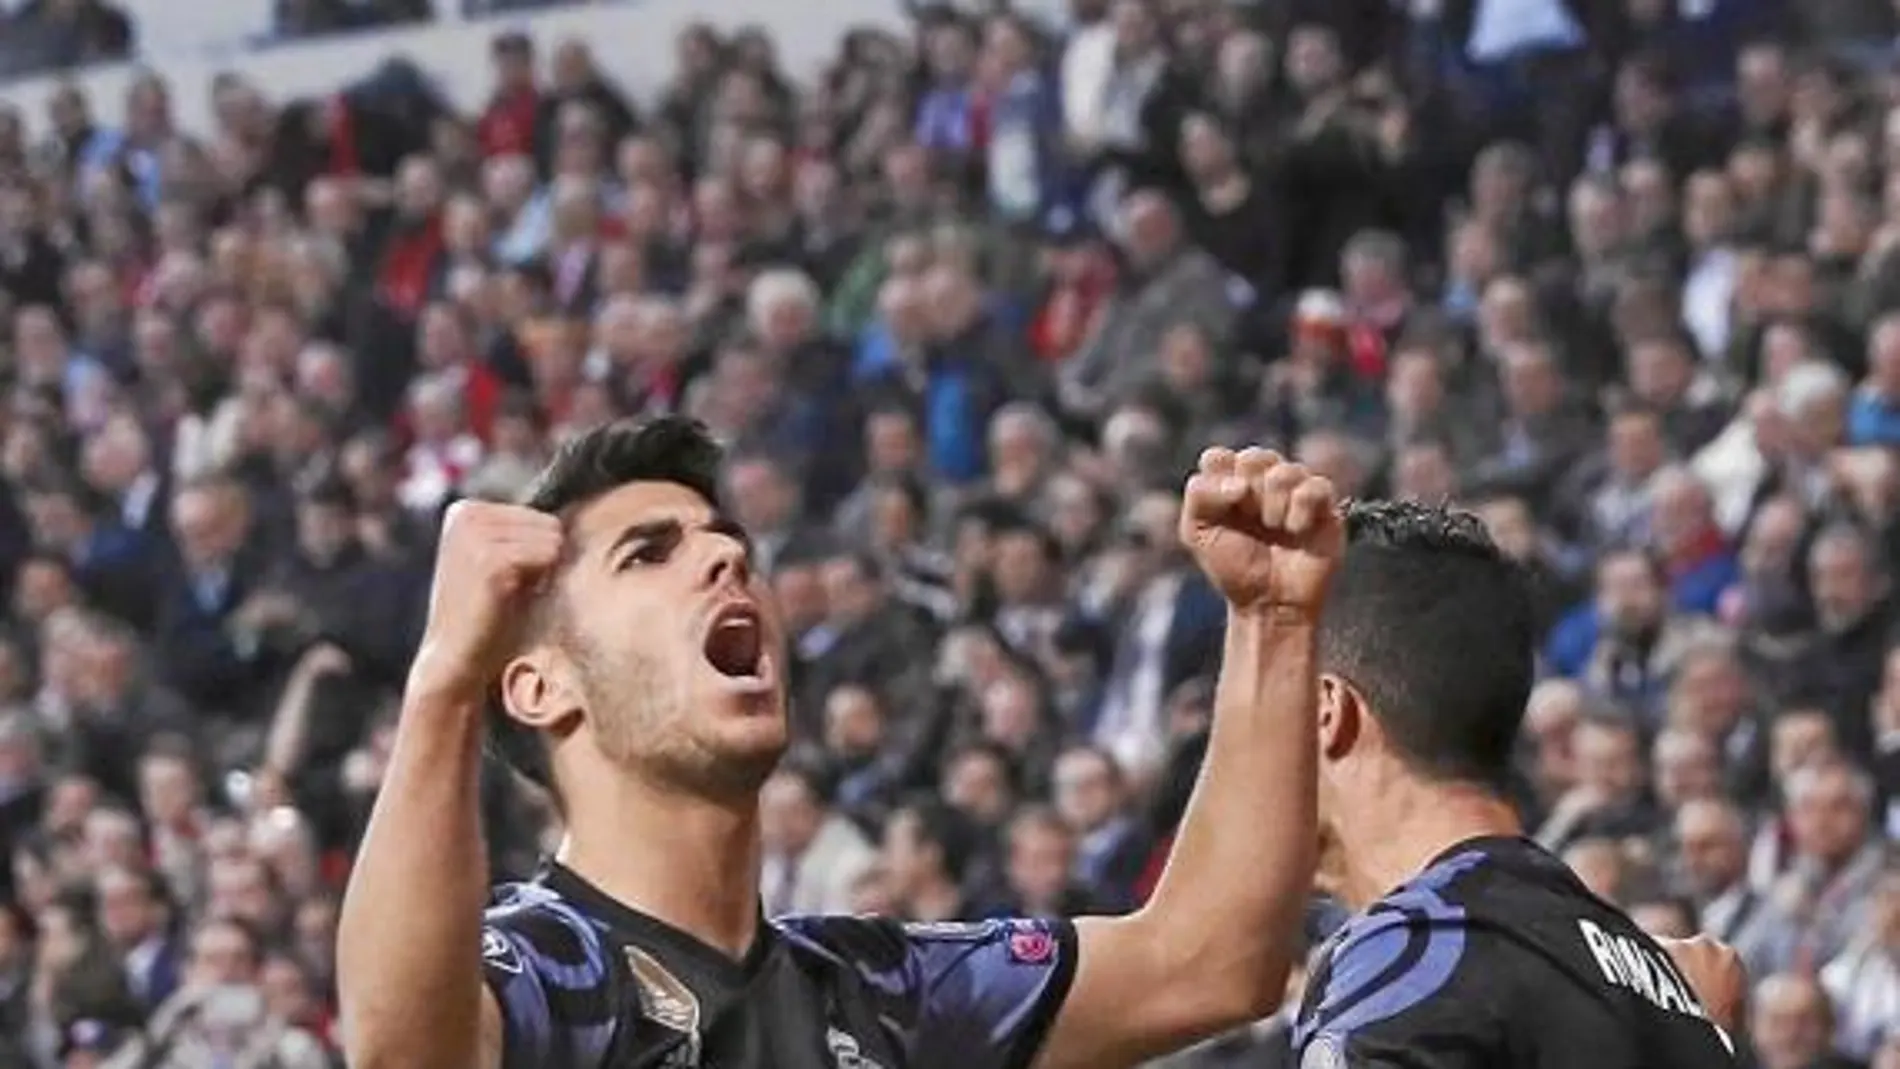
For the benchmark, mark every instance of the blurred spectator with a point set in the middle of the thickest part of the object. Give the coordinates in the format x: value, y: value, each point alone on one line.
x: 1791, y: 1024
x: 814, y: 855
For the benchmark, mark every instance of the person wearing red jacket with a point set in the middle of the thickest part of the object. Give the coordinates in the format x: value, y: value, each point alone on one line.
x: 506, y: 127
x: 445, y: 347
x: 415, y: 243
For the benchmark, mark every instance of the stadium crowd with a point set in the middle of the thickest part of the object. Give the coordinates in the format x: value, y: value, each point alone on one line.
x: 1621, y: 276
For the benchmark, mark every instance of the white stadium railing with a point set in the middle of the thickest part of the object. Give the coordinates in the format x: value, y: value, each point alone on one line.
x: 632, y: 39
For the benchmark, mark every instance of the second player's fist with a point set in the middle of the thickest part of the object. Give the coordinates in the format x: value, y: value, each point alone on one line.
x: 1267, y: 532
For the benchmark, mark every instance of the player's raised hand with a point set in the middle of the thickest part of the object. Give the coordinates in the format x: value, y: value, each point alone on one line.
x: 1267, y: 532
x: 1715, y: 971
x: 489, y: 565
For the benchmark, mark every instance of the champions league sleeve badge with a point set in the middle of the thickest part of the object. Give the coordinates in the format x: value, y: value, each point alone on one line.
x: 1031, y: 944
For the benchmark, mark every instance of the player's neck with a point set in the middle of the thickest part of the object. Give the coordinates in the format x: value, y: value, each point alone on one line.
x: 1409, y: 826
x: 689, y: 862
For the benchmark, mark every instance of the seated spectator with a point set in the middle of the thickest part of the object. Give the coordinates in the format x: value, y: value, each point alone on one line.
x: 220, y: 997
x: 1174, y: 283
x: 980, y: 781
x: 1040, y: 849
x: 1840, y: 667
x: 926, y: 853
x: 1639, y: 644
x: 1792, y: 1024
x: 1818, y: 906
x: 211, y: 523
x: 1611, y: 799
x: 1544, y: 431
x: 507, y: 124
x: 1864, y: 982
x: 814, y: 855
x: 1111, y: 847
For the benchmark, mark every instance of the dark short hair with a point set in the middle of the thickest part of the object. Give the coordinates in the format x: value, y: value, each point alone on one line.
x: 938, y: 825
x: 989, y: 750
x: 1623, y: 550
x: 908, y: 487
x: 513, y: 43
x: 1434, y: 627
x: 258, y: 942
x: 818, y: 783
x: 667, y: 449
x: 864, y: 564
x: 1020, y: 526
x: 327, y: 491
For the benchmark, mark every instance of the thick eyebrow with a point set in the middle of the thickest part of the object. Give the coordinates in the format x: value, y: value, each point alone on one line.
x: 645, y: 531
x: 672, y: 529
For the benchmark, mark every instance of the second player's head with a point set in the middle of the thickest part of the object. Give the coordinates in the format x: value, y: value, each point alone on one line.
x: 1426, y: 657
x: 654, y: 649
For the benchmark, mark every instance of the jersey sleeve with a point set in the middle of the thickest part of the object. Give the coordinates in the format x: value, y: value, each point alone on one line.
x: 989, y: 991
x: 549, y: 974
x: 977, y: 995
x: 1384, y: 997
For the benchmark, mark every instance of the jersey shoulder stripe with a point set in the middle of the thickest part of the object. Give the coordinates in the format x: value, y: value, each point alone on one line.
x: 549, y: 968
x: 1392, y: 958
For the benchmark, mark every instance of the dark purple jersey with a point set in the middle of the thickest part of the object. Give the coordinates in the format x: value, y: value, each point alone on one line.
x: 1496, y: 955
x: 585, y: 982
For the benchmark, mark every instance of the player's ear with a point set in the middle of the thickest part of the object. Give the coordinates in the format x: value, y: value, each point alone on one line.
x: 1340, y: 717
x: 538, y: 692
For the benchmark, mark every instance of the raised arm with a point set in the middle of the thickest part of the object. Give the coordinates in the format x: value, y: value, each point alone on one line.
x: 290, y: 722
x: 409, y: 940
x: 1211, y: 949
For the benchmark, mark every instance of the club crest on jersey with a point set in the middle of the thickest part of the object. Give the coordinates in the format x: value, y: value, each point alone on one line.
x: 1324, y: 1052
x: 1031, y: 944
x: 844, y: 1050
x: 499, y: 953
x: 668, y: 1002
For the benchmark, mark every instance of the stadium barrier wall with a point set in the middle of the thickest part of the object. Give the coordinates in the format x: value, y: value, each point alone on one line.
x: 633, y: 42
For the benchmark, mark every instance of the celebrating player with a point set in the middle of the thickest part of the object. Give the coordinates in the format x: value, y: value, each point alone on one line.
x: 1474, y: 947
x: 640, y: 666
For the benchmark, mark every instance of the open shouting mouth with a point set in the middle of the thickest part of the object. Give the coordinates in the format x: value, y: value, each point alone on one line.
x: 735, y: 646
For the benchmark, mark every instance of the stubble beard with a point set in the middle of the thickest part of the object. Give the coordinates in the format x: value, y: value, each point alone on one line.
x: 642, y: 724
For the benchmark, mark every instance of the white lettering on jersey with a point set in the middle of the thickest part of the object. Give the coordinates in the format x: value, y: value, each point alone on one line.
x: 1629, y: 964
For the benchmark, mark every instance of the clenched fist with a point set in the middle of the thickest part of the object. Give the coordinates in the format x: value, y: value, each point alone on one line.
x: 491, y: 561
x: 1715, y: 971
x: 1267, y: 532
